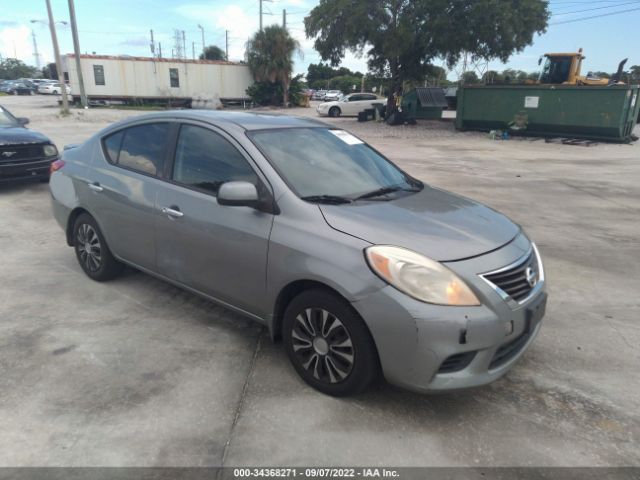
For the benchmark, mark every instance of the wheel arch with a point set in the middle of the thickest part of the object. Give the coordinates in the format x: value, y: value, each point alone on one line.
x: 292, y: 290
x: 71, y: 220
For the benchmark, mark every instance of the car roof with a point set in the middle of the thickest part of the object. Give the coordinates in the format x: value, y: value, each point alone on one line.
x: 244, y: 120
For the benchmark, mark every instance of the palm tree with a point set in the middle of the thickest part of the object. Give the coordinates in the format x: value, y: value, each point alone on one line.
x: 270, y: 56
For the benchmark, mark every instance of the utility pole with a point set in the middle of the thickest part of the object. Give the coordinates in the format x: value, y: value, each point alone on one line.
x: 284, y: 18
x: 260, y: 2
x: 226, y: 45
x: 36, y: 55
x: 152, y: 45
x: 202, y: 31
x: 159, y: 50
x: 56, y: 53
x: 76, y: 50
x: 184, y: 46
x: 193, y: 50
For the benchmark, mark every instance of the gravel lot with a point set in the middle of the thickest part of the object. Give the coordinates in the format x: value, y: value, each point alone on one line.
x: 138, y: 373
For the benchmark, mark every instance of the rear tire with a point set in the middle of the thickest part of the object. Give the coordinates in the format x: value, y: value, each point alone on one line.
x: 334, y: 112
x: 92, y: 251
x: 329, y: 344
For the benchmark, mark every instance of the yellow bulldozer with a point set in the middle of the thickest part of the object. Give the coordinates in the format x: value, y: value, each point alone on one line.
x: 565, y: 68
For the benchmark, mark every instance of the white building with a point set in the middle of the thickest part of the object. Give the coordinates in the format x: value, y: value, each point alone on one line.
x: 145, y: 78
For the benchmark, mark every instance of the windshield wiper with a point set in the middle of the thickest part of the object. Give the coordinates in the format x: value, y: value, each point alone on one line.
x: 385, y: 190
x: 328, y: 199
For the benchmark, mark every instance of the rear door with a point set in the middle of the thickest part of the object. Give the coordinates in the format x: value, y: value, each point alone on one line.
x: 218, y: 250
x: 123, y: 184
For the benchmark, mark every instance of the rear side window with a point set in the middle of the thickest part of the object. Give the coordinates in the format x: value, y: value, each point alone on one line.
x: 205, y: 160
x: 141, y: 148
x: 112, y: 146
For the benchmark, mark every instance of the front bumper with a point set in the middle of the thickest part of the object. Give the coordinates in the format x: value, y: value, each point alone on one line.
x: 25, y: 170
x: 428, y: 348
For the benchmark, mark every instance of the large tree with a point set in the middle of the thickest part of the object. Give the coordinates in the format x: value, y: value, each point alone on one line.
x: 12, y: 68
x: 213, y: 52
x: 270, y: 56
x: 401, y: 37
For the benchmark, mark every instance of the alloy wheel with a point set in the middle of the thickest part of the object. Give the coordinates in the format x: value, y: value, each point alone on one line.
x: 89, y: 247
x: 322, y: 345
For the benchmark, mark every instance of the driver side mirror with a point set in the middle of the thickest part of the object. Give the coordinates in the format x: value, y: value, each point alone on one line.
x: 22, y: 121
x: 238, y: 194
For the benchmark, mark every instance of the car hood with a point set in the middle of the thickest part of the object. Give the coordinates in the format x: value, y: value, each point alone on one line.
x: 435, y: 223
x: 20, y: 136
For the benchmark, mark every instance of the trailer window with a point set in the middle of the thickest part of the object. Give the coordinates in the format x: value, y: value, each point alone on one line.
x: 174, y: 78
x: 98, y: 74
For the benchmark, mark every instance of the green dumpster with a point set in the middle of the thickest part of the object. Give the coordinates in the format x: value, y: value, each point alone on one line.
x: 593, y: 112
x: 424, y: 103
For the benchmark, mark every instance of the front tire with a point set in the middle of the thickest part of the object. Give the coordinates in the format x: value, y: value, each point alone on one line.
x: 92, y: 251
x: 328, y: 343
x: 334, y: 112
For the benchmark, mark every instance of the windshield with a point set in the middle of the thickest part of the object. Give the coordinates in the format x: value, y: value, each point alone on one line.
x: 323, y: 162
x: 6, y: 119
x: 556, y: 70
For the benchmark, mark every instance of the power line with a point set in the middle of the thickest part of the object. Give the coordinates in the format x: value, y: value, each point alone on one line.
x: 597, y: 8
x: 595, y: 16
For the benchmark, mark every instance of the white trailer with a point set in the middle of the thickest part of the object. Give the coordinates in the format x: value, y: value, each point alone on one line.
x: 146, y: 79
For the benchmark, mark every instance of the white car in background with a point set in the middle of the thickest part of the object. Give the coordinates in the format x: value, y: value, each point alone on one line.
x: 52, y: 88
x: 332, y: 95
x: 349, y: 105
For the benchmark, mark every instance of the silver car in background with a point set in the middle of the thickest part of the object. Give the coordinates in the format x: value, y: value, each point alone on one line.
x: 357, y: 266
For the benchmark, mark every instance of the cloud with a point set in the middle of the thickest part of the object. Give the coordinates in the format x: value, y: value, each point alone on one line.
x: 136, y: 42
x: 15, y: 42
x: 216, y: 20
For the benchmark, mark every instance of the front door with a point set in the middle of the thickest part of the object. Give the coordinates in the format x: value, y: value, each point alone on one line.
x: 218, y: 250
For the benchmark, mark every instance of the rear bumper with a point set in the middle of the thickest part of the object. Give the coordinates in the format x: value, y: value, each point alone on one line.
x: 431, y: 348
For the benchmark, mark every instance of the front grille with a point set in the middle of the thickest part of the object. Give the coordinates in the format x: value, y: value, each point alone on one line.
x: 457, y: 362
x: 17, y: 153
x: 515, y: 281
x: 509, y: 350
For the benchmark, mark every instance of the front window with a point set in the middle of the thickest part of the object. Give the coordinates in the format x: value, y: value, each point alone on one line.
x: 318, y: 162
x: 556, y: 70
x: 205, y: 160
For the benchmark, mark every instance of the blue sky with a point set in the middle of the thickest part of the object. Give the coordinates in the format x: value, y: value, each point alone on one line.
x: 122, y: 27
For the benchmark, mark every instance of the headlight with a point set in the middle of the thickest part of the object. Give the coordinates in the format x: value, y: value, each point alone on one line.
x: 419, y: 277
x: 50, y: 150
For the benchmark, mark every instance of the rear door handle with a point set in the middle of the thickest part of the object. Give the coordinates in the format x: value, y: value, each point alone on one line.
x: 95, y: 186
x: 172, y: 212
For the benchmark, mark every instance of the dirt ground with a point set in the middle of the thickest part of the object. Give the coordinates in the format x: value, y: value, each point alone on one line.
x: 138, y: 373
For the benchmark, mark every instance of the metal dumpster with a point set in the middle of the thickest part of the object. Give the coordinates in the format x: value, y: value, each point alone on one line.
x: 424, y: 103
x: 594, y: 112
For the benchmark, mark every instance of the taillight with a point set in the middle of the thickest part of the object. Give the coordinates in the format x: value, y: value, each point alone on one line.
x: 55, y: 166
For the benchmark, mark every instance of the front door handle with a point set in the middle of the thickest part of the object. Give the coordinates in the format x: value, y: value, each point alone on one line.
x: 172, y: 212
x: 95, y: 186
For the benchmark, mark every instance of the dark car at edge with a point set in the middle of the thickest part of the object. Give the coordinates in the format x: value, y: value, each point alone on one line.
x: 24, y: 154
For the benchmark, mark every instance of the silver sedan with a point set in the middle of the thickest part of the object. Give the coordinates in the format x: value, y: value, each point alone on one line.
x: 358, y: 267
